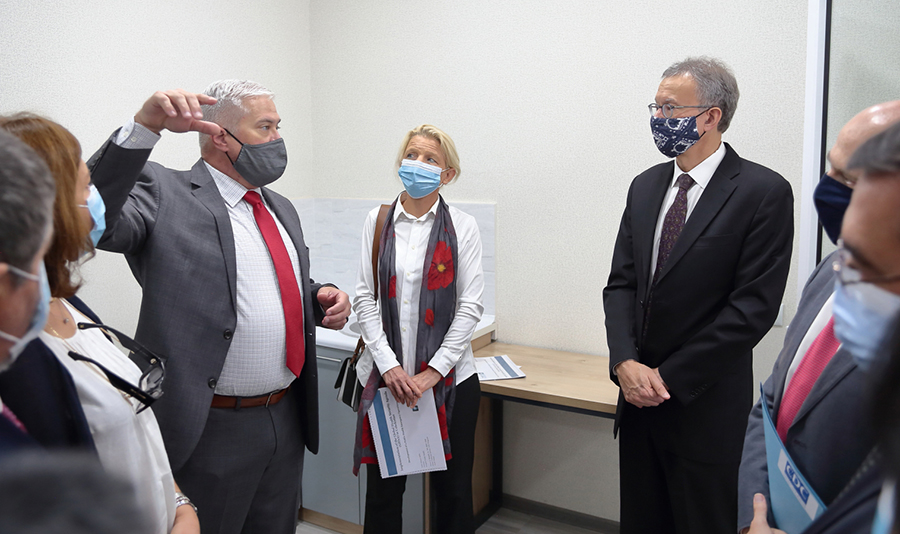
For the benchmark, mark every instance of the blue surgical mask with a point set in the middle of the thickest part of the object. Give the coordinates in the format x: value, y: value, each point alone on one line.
x: 674, y: 136
x: 97, y: 208
x: 863, y: 318
x: 831, y: 198
x: 419, y: 179
x: 38, y: 320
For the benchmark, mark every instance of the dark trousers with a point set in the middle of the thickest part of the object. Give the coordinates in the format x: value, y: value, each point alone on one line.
x: 662, y: 492
x: 244, y: 474
x: 452, y: 488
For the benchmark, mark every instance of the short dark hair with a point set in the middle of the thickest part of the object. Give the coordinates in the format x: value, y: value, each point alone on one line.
x: 26, y: 202
x: 65, y: 493
x: 880, y: 154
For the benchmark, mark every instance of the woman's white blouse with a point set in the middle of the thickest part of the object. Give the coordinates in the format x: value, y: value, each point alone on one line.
x: 130, y: 445
x: 411, y: 244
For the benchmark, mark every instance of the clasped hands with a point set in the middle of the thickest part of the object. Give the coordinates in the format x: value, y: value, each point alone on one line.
x: 641, y: 385
x: 408, y: 389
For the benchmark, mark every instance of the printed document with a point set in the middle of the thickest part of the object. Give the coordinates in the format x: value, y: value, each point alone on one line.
x: 497, y: 368
x: 407, y: 440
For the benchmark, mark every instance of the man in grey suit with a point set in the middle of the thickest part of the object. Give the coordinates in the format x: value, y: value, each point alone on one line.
x: 227, y: 299
x: 834, y: 410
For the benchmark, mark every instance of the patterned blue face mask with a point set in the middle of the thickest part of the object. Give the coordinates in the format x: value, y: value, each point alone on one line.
x: 419, y: 179
x: 97, y: 208
x: 674, y: 136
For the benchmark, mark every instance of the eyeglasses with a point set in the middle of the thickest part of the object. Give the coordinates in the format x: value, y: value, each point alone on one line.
x: 848, y: 275
x: 153, y: 367
x: 668, y: 110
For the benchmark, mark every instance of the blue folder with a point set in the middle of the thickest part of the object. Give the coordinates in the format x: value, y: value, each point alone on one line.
x: 793, y: 501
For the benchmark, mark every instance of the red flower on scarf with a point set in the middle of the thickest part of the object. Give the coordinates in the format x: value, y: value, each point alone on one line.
x: 429, y: 317
x: 392, y: 287
x: 441, y: 272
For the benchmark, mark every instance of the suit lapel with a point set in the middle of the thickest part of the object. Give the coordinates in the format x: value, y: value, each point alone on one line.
x: 649, y: 200
x: 819, y: 291
x: 206, y: 192
x: 717, y: 192
x: 840, y: 365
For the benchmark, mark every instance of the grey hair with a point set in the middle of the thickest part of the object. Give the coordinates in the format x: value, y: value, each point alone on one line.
x: 27, y: 192
x: 66, y: 493
x: 229, y: 107
x: 716, y: 84
x: 880, y: 154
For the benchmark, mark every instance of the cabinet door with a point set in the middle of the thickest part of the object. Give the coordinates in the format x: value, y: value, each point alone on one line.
x: 329, y: 486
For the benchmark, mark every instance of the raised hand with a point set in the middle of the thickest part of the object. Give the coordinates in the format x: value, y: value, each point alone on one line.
x: 176, y: 110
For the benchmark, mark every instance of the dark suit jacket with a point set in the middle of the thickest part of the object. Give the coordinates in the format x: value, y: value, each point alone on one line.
x: 716, y: 297
x: 40, y: 391
x: 831, y: 434
x: 853, y: 511
x: 174, y: 230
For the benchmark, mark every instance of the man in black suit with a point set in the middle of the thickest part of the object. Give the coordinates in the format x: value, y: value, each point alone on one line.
x: 27, y: 191
x: 698, y: 273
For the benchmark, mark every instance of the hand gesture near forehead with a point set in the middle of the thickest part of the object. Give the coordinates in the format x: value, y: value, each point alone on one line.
x: 176, y: 110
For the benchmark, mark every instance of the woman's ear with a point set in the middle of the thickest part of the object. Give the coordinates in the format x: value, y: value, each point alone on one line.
x: 448, y: 176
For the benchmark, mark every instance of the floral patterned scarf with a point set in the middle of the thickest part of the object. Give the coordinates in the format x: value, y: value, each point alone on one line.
x: 437, y: 307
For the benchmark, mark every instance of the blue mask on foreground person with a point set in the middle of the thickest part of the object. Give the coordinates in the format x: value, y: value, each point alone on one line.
x: 831, y: 198
x: 863, y: 316
x: 97, y: 208
x: 419, y: 179
x: 674, y: 136
x: 38, y: 320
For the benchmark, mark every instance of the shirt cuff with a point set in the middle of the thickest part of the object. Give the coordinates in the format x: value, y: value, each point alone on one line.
x: 135, y: 136
x: 443, y: 361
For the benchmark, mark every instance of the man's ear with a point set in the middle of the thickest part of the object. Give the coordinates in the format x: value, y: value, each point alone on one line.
x: 713, y: 116
x: 220, y: 140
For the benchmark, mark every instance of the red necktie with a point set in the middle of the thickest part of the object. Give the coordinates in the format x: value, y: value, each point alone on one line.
x: 290, y: 294
x: 13, y: 419
x: 814, y: 361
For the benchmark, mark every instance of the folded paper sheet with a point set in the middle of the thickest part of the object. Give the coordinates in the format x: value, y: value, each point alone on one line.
x: 497, y: 368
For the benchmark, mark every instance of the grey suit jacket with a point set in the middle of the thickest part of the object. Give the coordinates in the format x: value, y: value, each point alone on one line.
x: 831, y: 434
x: 174, y: 230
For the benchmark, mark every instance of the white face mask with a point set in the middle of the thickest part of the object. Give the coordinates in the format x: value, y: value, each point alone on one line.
x: 38, y: 320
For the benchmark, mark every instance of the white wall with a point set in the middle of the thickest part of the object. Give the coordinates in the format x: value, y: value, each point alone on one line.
x: 545, y: 100
x: 90, y: 64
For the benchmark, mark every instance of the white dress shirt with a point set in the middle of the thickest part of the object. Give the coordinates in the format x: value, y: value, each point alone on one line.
x: 255, y: 363
x: 411, y: 244
x: 130, y: 445
x: 701, y: 174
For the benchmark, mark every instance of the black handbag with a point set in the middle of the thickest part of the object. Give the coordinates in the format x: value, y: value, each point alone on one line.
x: 347, y: 383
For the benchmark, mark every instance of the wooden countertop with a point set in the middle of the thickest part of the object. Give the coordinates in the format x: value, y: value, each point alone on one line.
x: 565, y: 379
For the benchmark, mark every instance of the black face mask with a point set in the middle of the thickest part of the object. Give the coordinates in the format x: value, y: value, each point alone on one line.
x: 260, y: 164
x: 831, y: 198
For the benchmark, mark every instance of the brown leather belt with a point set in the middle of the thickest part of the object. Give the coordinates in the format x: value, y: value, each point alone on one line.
x: 269, y: 399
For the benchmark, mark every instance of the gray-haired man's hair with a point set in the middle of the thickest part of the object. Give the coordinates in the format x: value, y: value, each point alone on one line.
x: 27, y: 191
x: 880, y: 154
x: 229, y: 107
x: 716, y: 84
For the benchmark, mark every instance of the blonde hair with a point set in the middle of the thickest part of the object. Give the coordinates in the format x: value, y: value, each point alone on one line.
x: 433, y: 132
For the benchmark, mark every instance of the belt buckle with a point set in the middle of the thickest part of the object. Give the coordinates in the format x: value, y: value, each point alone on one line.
x: 269, y: 398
